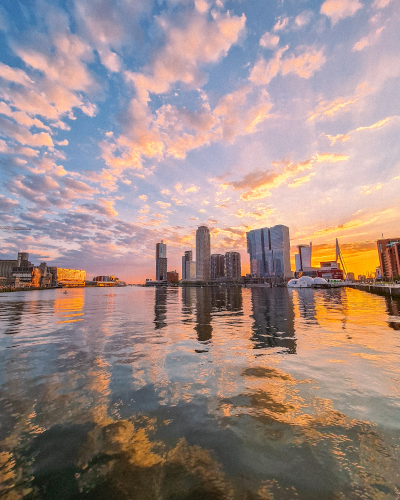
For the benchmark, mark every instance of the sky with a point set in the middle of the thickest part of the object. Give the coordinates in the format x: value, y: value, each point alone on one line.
x: 124, y: 123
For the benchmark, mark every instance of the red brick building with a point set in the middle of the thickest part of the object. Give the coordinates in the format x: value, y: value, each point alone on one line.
x: 389, y: 257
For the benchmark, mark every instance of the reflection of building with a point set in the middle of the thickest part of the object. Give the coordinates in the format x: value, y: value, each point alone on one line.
x: 172, y: 276
x: 233, y: 269
x: 217, y: 266
x: 389, y: 257
x: 203, y: 253
x: 269, y: 250
x: 187, y: 257
x: 393, y: 309
x: 161, y: 261
x: 203, y: 314
x: 303, y: 258
x: 273, y: 319
x: 160, y: 308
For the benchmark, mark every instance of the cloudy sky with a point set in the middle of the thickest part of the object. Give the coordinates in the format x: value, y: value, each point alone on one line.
x: 130, y: 121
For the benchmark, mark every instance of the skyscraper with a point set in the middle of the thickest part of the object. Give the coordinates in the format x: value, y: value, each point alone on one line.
x: 303, y: 258
x: 217, y: 266
x: 187, y: 257
x: 233, y: 269
x: 161, y: 261
x: 203, y: 253
x: 269, y: 250
x: 389, y: 257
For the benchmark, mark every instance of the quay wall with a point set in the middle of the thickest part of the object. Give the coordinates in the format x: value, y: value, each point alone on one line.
x: 393, y: 290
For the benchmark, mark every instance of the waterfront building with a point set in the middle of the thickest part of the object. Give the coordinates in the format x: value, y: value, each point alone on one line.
x: 303, y: 258
x: 217, y: 266
x: 330, y: 270
x: 389, y: 257
x: 161, y: 261
x: 172, y: 276
x: 269, y: 251
x: 187, y: 257
x: 233, y: 269
x: 190, y: 270
x: 70, y: 277
x: 7, y: 265
x: 203, y: 253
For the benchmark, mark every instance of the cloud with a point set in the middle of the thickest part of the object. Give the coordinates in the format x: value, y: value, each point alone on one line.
x: 7, y: 204
x: 338, y: 138
x: 304, y: 65
x: 163, y: 205
x: 329, y: 109
x: 368, y: 40
x: 303, y: 18
x: 258, y: 184
x: 22, y: 135
x: 269, y: 40
x: 330, y: 157
x: 281, y: 24
x: 346, y: 137
x: 102, y: 207
x: 301, y: 180
x: 340, y: 9
x: 370, y: 189
x: 143, y: 197
x: 189, y: 45
x: 380, y: 4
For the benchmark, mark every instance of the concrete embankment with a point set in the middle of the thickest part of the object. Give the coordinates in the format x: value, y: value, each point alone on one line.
x: 393, y: 290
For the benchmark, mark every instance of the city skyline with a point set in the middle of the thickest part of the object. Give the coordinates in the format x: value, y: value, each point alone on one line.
x: 124, y: 123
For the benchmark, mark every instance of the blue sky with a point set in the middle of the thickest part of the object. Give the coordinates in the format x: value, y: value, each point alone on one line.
x: 124, y: 123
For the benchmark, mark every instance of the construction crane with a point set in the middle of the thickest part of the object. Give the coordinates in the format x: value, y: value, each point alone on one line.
x: 15, y: 228
x: 339, y: 257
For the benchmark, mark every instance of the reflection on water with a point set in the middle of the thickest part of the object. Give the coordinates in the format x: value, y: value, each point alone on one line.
x: 199, y: 393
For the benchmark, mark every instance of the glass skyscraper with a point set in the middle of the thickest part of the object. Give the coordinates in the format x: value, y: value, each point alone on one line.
x: 269, y: 250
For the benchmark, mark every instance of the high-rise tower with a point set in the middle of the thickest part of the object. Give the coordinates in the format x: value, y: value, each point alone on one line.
x: 269, y: 250
x: 233, y: 269
x: 203, y: 253
x: 187, y: 257
x: 217, y: 266
x: 161, y: 261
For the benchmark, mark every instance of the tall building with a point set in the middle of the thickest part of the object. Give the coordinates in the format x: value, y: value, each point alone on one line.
x: 217, y: 266
x: 233, y: 268
x: 389, y: 257
x: 187, y: 257
x: 161, y: 261
x: 203, y: 253
x: 190, y: 270
x: 269, y: 250
x: 303, y: 258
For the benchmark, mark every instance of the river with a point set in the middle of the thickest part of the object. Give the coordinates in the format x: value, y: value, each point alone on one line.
x: 199, y: 393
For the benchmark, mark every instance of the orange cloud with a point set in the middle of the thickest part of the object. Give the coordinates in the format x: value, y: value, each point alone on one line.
x: 340, y: 9
x: 329, y: 109
x: 301, y: 180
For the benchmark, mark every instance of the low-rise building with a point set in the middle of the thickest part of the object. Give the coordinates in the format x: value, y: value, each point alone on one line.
x: 70, y: 277
x: 172, y: 276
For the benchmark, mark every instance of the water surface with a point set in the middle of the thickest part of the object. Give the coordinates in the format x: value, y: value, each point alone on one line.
x: 199, y: 393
